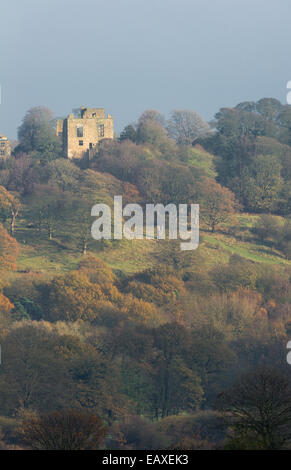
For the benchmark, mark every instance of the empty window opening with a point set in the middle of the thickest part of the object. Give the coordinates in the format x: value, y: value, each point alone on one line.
x: 80, y: 131
x: 100, y: 130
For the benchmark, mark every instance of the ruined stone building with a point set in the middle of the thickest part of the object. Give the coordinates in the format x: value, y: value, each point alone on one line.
x: 5, y: 147
x: 81, y: 134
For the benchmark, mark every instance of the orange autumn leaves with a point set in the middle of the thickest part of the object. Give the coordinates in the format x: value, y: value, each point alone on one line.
x: 91, y: 294
x: 8, y: 250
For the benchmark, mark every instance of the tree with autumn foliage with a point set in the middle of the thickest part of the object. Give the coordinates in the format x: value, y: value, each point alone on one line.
x: 6, y: 307
x: 9, y: 208
x: 8, y: 250
x: 69, y: 429
x: 70, y: 298
x: 217, y: 205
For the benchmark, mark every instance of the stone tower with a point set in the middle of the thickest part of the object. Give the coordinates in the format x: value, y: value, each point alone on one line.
x: 81, y: 134
x: 5, y: 147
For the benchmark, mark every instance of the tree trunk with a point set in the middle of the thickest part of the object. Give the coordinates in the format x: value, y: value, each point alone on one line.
x: 12, y: 226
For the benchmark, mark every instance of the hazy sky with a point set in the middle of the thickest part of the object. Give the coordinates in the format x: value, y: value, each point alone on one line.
x: 132, y: 55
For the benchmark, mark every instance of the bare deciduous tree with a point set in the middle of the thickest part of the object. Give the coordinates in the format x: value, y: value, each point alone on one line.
x: 258, y: 408
x: 186, y: 126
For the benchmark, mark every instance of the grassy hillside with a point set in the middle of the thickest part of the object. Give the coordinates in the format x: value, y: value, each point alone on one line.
x: 51, y: 257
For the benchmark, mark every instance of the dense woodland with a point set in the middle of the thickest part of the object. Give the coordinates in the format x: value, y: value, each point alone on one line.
x: 137, y: 343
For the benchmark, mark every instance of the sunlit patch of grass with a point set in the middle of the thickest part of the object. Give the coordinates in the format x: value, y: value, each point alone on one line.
x: 63, y: 253
x: 251, y: 251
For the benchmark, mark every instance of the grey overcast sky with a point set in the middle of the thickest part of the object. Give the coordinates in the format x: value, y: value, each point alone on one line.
x: 132, y: 55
